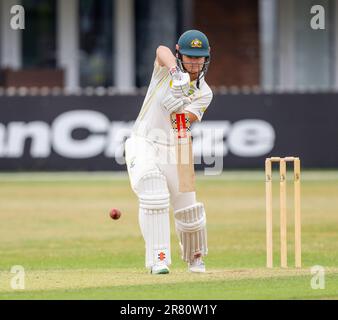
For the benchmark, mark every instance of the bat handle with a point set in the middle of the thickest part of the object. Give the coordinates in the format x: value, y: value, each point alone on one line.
x: 180, y: 110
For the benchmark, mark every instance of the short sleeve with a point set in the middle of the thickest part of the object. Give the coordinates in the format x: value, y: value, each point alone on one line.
x: 200, y: 105
x: 159, y: 71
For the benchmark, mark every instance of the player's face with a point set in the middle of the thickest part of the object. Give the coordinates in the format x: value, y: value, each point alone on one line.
x: 193, y: 65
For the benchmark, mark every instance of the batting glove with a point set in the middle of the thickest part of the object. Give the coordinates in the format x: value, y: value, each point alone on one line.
x: 173, y: 104
x: 180, y: 82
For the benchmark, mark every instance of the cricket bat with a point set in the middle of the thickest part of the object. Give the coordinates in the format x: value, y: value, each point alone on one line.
x: 184, y: 156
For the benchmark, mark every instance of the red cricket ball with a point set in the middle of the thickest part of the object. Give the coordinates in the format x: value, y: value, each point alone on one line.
x: 115, y: 214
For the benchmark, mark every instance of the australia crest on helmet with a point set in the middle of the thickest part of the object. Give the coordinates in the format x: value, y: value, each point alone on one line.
x: 196, y: 43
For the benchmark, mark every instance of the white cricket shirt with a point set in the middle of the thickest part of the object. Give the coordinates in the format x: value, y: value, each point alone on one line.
x: 153, y: 121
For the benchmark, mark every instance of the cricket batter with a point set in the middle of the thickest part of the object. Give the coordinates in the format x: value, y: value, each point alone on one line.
x: 177, y: 85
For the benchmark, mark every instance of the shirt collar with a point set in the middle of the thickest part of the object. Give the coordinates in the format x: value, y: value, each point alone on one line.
x: 194, y: 83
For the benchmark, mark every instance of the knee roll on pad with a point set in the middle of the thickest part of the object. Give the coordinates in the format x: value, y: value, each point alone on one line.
x: 152, y: 191
x: 191, y: 229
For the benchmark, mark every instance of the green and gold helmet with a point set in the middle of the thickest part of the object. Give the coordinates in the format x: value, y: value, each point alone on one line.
x: 194, y: 43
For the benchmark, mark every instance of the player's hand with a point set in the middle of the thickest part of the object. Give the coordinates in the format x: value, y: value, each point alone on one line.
x: 180, y: 82
x: 173, y: 104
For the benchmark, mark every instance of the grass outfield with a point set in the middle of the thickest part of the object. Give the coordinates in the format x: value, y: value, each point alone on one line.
x: 57, y: 227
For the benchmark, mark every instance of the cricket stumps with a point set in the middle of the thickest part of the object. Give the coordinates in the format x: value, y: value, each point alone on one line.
x: 283, y: 212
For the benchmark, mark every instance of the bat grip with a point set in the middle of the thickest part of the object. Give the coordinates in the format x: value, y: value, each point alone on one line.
x: 180, y: 110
